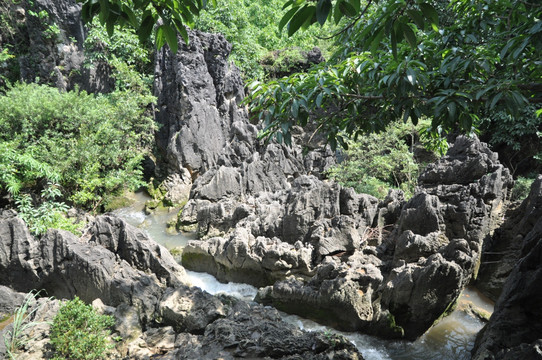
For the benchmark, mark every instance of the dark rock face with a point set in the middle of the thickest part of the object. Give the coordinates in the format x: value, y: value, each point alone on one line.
x: 279, y: 234
x: 503, y: 249
x: 212, y: 328
x: 514, y: 330
x: 142, y: 286
x: 460, y: 200
x: 197, y: 94
x: 112, y: 261
x: 49, y: 44
x: 206, y: 136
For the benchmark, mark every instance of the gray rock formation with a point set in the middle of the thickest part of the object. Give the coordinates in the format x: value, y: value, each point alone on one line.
x: 441, y: 232
x: 417, y: 271
x: 245, y: 258
x: 268, y: 237
x: 514, y: 330
x: 503, y: 250
x: 189, y: 324
x: 206, y: 133
x: 112, y: 261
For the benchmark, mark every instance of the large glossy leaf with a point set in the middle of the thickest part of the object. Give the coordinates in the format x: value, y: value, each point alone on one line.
x: 323, y: 9
x: 301, y: 17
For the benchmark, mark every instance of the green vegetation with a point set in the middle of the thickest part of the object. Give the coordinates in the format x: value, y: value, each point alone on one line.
x: 522, y: 187
x: 251, y: 28
x: 91, y: 146
x: 170, y: 16
x: 15, y: 339
x: 377, y: 162
x: 129, y: 59
x: 49, y: 214
x: 78, y: 332
x: 452, y: 62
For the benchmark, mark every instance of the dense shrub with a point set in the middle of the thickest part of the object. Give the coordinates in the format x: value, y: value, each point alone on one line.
x: 78, y: 332
x: 377, y: 162
x: 252, y: 28
x: 92, y: 146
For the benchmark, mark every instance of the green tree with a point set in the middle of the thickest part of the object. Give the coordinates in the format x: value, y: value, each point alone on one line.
x: 251, y: 28
x: 453, y: 62
x: 169, y: 16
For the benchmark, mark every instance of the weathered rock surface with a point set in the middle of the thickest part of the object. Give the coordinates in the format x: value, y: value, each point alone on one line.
x: 248, y: 331
x: 418, y: 270
x: 112, y: 261
x: 245, y: 258
x: 274, y: 235
x: 204, y: 327
x: 503, y: 250
x: 48, y: 39
x: 514, y: 330
x: 206, y: 133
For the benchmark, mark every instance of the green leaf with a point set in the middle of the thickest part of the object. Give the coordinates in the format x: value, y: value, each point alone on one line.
x: 430, y: 13
x: 393, y: 39
x: 356, y: 4
x: 110, y: 27
x: 145, y: 29
x: 160, y: 37
x: 303, y: 16
x: 417, y: 17
x: 377, y: 39
x: 319, y: 99
x: 409, y: 35
x: 495, y: 100
x: 322, y: 11
x: 286, y: 18
x: 171, y: 37
x: 295, y: 108
x: 347, y: 9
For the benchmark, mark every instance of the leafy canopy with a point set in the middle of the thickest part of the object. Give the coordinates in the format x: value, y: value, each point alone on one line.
x: 171, y: 16
x: 452, y: 62
x: 251, y: 28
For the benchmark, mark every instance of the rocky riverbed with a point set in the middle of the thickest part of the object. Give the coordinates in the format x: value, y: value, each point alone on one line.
x: 264, y: 215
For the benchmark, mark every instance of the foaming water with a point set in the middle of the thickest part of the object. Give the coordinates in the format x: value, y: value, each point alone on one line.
x: 451, y: 339
x: 210, y: 284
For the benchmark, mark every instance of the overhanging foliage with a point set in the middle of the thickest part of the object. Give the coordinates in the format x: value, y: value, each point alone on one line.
x: 450, y: 61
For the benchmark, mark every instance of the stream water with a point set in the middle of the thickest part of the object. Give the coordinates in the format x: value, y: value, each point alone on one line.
x: 451, y: 339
